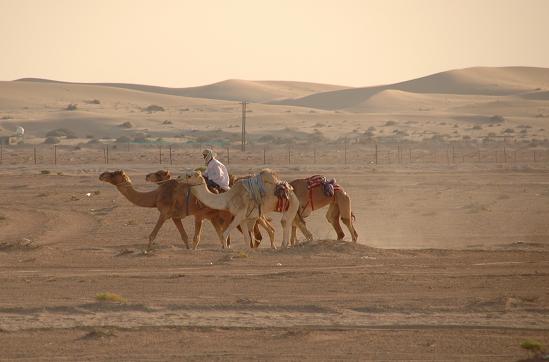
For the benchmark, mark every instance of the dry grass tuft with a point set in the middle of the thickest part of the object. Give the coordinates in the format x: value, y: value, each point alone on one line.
x: 98, y: 333
x: 21, y: 245
x: 110, y: 297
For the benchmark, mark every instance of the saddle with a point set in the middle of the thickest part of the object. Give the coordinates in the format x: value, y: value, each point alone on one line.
x: 328, y: 186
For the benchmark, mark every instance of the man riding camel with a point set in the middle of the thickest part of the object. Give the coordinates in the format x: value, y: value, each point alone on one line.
x: 216, y: 173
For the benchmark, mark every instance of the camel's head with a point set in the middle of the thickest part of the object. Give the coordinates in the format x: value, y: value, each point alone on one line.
x: 194, y: 178
x: 114, y: 177
x: 158, y: 176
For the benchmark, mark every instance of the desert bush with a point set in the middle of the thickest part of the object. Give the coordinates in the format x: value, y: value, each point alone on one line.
x: 390, y: 123
x: 123, y: 139
x: 167, y: 122
x: 61, y: 132
x: 509, y: 130
x: 51, y: 140
x: 497, y: 119
x: 534, y: 348
x: 477, y: 127
x: 71, y: 107
x: 93, y: 101
x: 153, y: 108
x: 126, y: 125
x: 110, y: 297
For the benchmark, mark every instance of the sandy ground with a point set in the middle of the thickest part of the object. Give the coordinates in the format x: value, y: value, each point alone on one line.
x: 452, y: 264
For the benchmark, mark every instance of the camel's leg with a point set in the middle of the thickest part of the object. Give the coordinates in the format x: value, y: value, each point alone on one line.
x: 246, y: 232
x: 333, y: 218
x: 236, y: 221
x: 344, y: 205
x: 257, y: 233
x: 252, y: 226
x: 161, y: 219
x: 198, y: 222
x: 300, y: 222
x: 293, y: 237
x: 288, y: 218
x: 269, y: 228
x: 218, y: 224
x: 179, y: 226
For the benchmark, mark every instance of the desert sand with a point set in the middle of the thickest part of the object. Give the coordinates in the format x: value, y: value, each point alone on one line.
x: 452, y: 257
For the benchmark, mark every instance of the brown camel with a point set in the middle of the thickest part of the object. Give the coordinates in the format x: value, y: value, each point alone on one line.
x: 173, y: 202
x: 314, y: 199
x: 162, y: 176
x: 242, y: 205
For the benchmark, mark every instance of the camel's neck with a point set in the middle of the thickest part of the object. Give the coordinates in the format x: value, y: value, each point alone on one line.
x: 211, y: 200
x: 143, y: 199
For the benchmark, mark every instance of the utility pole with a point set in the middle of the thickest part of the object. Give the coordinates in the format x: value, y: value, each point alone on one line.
x: 244, y: 103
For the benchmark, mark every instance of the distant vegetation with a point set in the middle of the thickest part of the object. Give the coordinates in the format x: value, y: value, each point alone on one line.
x: 71, y: 107
x: 61, y: 132
x: 51, y: 140
x: 126, y: 125
x: 153, y: 108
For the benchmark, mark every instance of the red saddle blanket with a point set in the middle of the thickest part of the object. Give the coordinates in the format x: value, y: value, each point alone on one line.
x: 329, y: 186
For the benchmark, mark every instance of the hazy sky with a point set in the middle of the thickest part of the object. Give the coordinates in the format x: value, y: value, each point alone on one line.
x: 194, y: 42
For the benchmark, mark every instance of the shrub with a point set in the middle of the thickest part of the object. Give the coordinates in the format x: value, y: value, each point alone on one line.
x: 126, y: 125
x: 110, y: 297
x: 71, y: 107
x: 123, y: 139
x: 61, y: 132
x: 497, y: 119
x: 93, y: 101
x: 153, y: 108
x: 51, y: 140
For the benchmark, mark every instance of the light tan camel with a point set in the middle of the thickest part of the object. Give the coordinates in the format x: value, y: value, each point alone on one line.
x: 314, y: 199
x: 161, y: 176
x: 239, y: 202
x: 172, y: 201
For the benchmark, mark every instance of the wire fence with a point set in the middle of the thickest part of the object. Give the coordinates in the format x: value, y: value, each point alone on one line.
x: 182, y: 154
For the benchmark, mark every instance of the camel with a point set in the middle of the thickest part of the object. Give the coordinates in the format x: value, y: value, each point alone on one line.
x: 239, y: 202
x: 314, y: 199
x: 172, y: 201
x: 161, y: 176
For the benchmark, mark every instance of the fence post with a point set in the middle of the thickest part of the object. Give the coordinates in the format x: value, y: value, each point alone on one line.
x: 34, y: 153
x: 376, y: 153
x: 534, y: 156
x: 171, y: 155
x: 160, y: 153
x: 345, y: 150
x: 107, y: 154
x: 289, y: 156
x: 55, y: 154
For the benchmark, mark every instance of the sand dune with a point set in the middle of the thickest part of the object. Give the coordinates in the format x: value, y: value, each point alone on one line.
x: 232, y: 89
x: 470, y: 81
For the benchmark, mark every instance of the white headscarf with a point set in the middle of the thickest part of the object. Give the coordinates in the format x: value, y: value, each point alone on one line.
x: 208, y: 155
